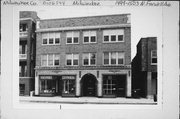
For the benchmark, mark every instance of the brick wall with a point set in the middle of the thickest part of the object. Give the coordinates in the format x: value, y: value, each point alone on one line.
x: 80, y: 48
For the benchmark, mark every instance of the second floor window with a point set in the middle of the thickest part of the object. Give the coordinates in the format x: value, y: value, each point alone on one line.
x: 154, y: 57
x: 51, y: 38
x: 89, y: 36
x: 89, y: 59
x: 23, y: 28
x: 113, y: 58
x: 72, y: 59
x: 72, y: 37
x: 114, y: 35
x: 50, y: 60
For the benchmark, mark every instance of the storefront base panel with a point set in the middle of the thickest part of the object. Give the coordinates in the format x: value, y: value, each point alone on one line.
x: 68, y: 95
x: 46, y: 94
x: 109, y: 96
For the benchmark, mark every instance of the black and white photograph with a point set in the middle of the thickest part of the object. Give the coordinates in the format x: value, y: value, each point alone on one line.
x: 92, y: 57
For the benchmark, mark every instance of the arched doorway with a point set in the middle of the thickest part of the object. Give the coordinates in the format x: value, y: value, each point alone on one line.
x: 89, y: 85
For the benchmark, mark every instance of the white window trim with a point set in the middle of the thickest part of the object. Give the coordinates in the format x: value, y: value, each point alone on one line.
x: 89, y: 59
x: 153, y: 57
x: 116, y: 37
x: 72, y: 38
x: 54, y: 36
x: 47, y: 55
x: 72, y: 60
x: 89, y: 36
x: 109, y: 64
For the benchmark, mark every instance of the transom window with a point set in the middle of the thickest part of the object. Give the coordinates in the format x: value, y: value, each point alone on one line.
x: 72, y: 59
x: 154, y: 57
x: 89, y: 36
x: 50, y: 60
x: 72, y: 37
x: 113, y: 58
x: 113, y: 35
x: 89, y: 59
x: 51, y: 38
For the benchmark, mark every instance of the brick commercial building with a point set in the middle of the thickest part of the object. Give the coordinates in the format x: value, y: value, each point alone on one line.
x: 144, y: 68
x: 84, y: 56
x: 27, y: 40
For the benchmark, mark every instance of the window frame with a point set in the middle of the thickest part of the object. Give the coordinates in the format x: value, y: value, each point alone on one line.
x: 117, y: 58
x: 89, y: 35
x: 47, y: 60
x: 153, y: 57
x: 48, y: 38
x: 113, y: 32
x: 72, y: 36
x: 89, y: 59
x: 72, y: 59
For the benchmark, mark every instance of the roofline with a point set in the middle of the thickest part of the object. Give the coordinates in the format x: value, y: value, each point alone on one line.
x: 84, y: 17
x: 84, y: 27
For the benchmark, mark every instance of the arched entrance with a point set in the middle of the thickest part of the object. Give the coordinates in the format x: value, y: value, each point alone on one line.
x: 89, y: 85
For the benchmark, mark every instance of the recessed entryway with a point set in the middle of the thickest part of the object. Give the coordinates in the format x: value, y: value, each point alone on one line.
x: 89, y: 85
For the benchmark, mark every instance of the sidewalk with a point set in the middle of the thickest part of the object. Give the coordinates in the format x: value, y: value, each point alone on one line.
x: 86, y: 100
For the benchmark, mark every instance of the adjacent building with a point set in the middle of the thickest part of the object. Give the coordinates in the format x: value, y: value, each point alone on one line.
x: 27, y: 43
x: 144, y: 68
x: 84, y: 56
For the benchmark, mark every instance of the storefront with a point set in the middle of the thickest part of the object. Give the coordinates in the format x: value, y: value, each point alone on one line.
x: 51, y: 85
x: 114, y: 85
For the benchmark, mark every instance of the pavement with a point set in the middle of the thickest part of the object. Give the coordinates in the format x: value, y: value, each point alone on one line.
x: 85, y: 100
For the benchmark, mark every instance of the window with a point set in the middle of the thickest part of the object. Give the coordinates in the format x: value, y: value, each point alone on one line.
x: 23, y: 27
x: 153, y: 57
x: 72, y: 37
x: 72, y: 59
x: 50, y: 60
x: 109, y: 85
x: 69, y: 86
x: 20, y: 71
x: 44, y: 60
x: 89, y: 59
x: 113, y: 58
x: 89, y: 36
x: 113, y: 35
x: 51, y: 38
x: 47, y: 86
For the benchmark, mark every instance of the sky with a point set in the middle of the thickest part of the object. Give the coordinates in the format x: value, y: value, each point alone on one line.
x: 145, y: 21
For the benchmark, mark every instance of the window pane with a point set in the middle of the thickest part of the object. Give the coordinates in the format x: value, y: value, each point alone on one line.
x: 93, y: 39
x: 44, y: 41
x: 69, y: 40
x: 113, y: 37
x: 75, y: 59
x: 76, y: 34
x: 113, y: 58
x: 56, y: 59
x: 50, y: 60
x: 51, y: 40
x: 120, y: 58
x: 86, y: 39
x: 106, y: 58
x: 120, y: 37
x: 57, y: 40
x: 69, y: 59
x: 93, y: 58
x: 44, y: 60
x: 106, y: 38
x: 154, y: 60
x: 20, y: 49
x: 75, y: 39
x: 86, y: 59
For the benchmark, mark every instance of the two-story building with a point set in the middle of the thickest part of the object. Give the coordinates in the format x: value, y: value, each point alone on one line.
x: 84, y: 56
x: 144, y: 68
x: 27, y: 43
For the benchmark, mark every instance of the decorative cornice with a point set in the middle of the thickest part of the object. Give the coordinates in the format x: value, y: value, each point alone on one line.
x: 84, y: 27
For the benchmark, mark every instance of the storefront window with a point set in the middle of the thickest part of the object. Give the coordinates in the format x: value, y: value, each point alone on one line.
x: 68, y: 85
x: 109, y: 86
x: 47, y: 84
